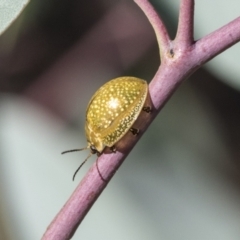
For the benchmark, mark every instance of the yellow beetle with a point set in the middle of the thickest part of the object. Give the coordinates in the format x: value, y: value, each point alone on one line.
x: 111, y: 112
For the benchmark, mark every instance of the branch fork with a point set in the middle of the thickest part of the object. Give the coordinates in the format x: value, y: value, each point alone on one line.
x: 179, y: 59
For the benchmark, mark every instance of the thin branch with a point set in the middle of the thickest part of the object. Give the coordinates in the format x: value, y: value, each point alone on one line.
x: 169, y: 75
x: 216, y: 42
x: 184, y: 35
x: 73, y: 212
x: 71, y: 215
x: 158, y: 25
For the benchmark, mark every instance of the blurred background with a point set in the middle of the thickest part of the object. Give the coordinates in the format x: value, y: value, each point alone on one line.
x: 181, y: 181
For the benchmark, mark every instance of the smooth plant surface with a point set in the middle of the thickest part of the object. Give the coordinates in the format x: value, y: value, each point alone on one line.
x: 179, y: 59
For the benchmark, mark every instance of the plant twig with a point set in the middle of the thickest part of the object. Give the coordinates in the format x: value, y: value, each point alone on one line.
x: 185, y: 23
x: 181, y: 57
x: 158, y: 25
x: 216, y: 42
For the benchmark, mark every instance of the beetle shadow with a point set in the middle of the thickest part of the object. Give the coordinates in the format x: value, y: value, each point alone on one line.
x: 125, y: 144
x: 130, y: 138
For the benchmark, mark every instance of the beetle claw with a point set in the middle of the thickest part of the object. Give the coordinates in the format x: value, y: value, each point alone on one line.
x: 147, y: 109
x: 113, y: 149
x: 134, y: 131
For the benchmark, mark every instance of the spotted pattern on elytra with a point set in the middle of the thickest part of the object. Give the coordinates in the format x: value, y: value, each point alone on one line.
x: 113, y: 109
x: 111, y: 112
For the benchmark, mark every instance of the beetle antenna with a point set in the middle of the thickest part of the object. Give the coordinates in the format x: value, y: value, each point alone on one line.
x: 90, y: 154
x: 74, y: 150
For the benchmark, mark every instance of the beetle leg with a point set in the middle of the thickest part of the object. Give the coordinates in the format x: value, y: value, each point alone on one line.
x: 113, y: 149
x: 134, y: 131
x: 147, y: 109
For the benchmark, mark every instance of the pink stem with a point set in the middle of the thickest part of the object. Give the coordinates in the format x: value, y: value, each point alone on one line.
x: 158, y: 25
x: 184, y: 35
x: 175, y: 67
x: 217, y: 41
